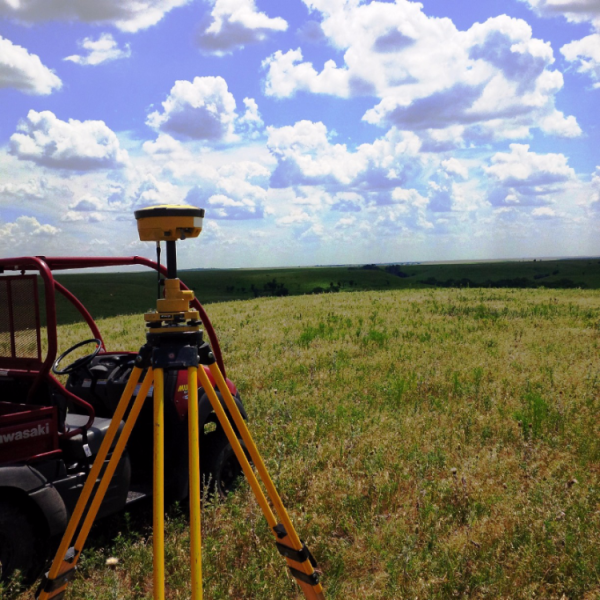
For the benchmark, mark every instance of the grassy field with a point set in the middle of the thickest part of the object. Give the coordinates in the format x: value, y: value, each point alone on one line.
x: 427, y: 443
x: 111, y: 294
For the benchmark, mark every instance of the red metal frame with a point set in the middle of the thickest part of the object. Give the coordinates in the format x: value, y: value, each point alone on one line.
x: 60, y: 263
x: 82, y: 311
x: 45, y: 266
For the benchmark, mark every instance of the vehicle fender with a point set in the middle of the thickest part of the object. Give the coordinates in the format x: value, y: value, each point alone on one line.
x: 180, y: 397
x: 205, y: 408
x: 43, y: 494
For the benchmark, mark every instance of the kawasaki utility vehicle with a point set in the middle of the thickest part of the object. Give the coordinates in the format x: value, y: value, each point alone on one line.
x: 50, y: 432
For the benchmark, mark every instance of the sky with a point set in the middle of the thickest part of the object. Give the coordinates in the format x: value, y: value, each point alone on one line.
x: 313, y: 132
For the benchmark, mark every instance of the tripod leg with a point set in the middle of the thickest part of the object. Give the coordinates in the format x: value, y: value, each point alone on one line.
x: 298, y: 557
x: 64, y: 564
x: 158, y: 521
x: 237, y: 448
x: 194, y: 464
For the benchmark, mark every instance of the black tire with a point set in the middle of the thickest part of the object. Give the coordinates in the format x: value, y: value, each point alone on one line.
x: 220, y: 469
x: 23, y: 547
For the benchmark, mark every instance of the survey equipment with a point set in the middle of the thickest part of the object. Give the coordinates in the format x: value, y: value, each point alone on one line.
x: 174, y: 341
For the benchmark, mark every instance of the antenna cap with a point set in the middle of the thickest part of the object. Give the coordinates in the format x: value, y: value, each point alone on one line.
x: 169, y: 222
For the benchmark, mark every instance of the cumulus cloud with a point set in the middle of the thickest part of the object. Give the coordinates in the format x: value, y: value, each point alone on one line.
x: 306, y: 156
x: 73, y: 216
x: 543, y: 212
x: 493, y: 81
x: 104, y: 49
x: 595, y: 185
x: 235, y: 24
x: 202, y: 109
x: 73, y: 145
x: 407, y: 215
x: 35, y: 189
x: 575, y: 11
x: 153, y: 190
x: 126, y: 15
x: 523, y: 177
x: 25, y: 232
x: 250, y: 124
x: 585, y: 54
x: 25, y: 72
x: 236, y: 191
x: 454, y: 166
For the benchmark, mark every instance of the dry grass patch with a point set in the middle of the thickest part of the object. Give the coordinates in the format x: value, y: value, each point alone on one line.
x: 430, y: 444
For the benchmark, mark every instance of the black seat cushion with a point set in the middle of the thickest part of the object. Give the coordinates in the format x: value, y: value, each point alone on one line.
x: 73, y: 446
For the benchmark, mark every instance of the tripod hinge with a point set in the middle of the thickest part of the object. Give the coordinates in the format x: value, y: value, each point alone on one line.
x: 171, y: 356
x: 205, y: 355
x: 144, y: 358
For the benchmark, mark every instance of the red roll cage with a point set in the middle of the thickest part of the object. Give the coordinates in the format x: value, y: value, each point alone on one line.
x: 40, y: 369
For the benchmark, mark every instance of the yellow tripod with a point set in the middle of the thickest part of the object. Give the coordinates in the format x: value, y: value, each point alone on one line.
x: 174, y: 341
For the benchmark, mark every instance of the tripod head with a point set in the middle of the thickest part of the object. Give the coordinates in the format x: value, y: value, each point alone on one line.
x: 170, y: 223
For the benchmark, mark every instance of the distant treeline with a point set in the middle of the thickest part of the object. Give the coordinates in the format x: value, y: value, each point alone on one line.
x: 515, y: 282
x: 466, y: 282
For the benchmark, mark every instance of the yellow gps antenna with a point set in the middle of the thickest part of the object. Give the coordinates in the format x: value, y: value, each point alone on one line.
x: 174, y: 342
x: 169, y: 223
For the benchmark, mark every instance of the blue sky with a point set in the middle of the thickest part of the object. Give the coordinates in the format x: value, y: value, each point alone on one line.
x: 311, y: 131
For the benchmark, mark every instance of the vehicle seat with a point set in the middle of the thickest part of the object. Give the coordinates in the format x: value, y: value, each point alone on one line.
x: 73, y: 447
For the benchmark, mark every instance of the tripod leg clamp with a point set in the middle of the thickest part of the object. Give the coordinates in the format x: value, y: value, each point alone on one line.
x: 301, y: 576
x: 52, y: 585
x: 298, y: 556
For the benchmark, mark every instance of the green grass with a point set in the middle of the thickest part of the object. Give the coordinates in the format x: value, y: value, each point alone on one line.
x: 111, y: 294
x: 427, y: 443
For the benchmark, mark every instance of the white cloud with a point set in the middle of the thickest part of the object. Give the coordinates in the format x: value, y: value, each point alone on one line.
x: 25, y: 72
x: 153, y: 190
x: 594, y: 202
x: 88, y: 203
x: 235, y: 191
x: 296, y: 217
x: 126, y: 15
x: 543, y: 212
x: 250, y: 123
x: 35, y: 189
x: 585, y: 54
x: 523, y: 177
x: 73, y: 216
x: 104, y: 49
x: 305, y: 156
x: 287, y: 74
x: 454, y: 166
x: 492, y: 81
x: 575, y: 11
x: 25, y: 234
x: 202, y: 109
x: 74, y: 145
x: 236, y: 23
x: 522, y: 167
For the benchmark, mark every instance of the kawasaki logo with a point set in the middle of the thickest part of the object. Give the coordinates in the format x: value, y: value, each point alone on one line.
x: 25, y: 434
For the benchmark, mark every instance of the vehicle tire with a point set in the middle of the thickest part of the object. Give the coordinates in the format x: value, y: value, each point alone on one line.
x: 23, y: 547
x: 220, y: 469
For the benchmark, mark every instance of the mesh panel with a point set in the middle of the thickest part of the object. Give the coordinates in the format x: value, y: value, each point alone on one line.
x: 19, y: 316
x: 4, y: 319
